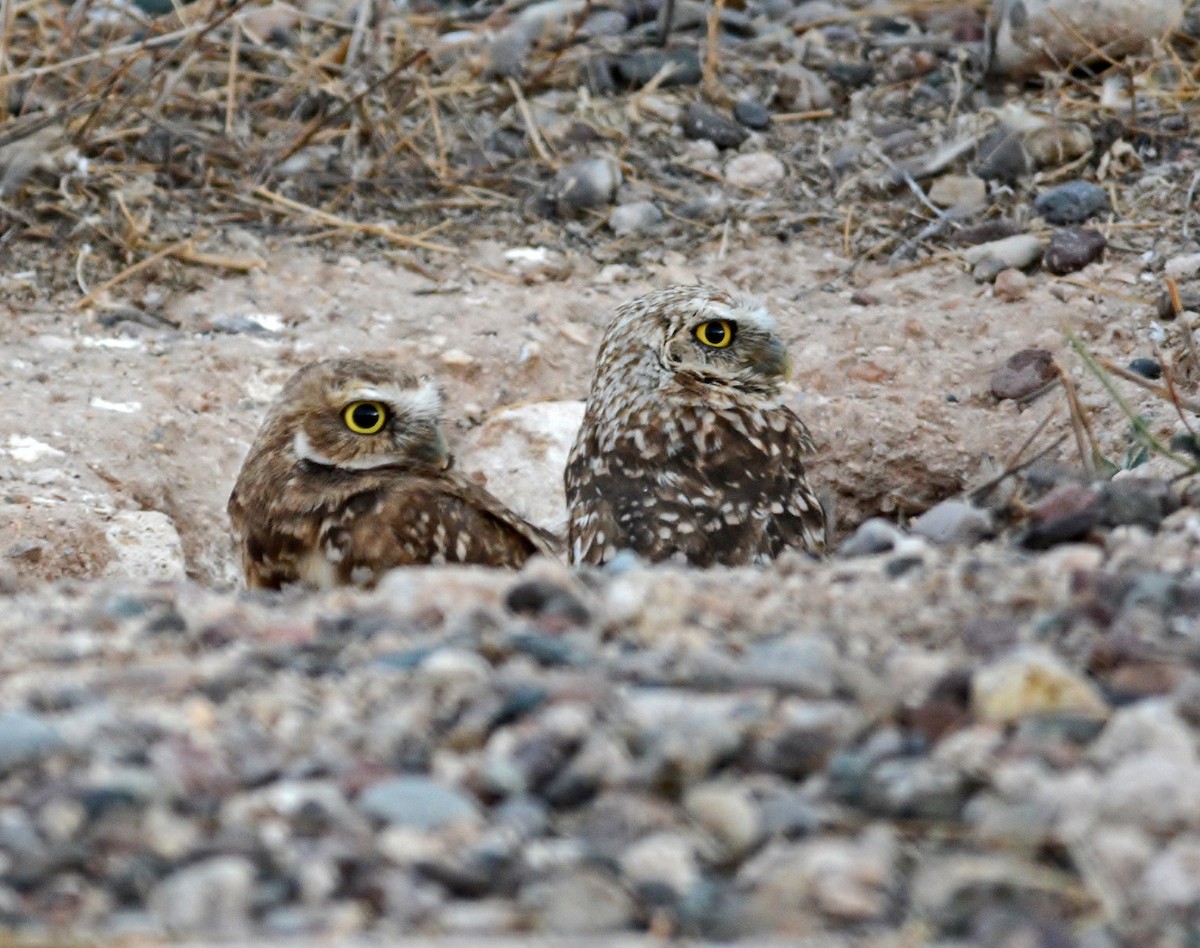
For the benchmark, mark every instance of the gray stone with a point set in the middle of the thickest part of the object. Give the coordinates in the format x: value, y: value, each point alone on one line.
x: 634, y: 218
x: 582, y: 902
x: 25, y: 738
x: 805, y: 664
x: 1071, y: 203
x: 701, y: 122
x: 954, y: 522
x: 209, y: 899
x: 754, y: 170
x: 752, y: 114
x: 873, y: 537
x: 419, y: 802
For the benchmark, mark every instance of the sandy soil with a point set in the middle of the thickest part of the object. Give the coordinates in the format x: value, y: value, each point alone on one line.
x: 110, y: 425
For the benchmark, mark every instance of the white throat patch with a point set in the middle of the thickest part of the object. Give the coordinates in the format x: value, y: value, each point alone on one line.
x: 306, y: 452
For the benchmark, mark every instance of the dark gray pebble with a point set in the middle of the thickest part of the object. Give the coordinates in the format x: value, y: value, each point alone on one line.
x: 636, y: 69
x: 1073, y: 249
x: 701, y: 122
x: 1002, y: 157
x: 752, y: 113
x: 1071, y: 203
x: 545, y: 599
x: 850, y: 75
x: 1147, y: 368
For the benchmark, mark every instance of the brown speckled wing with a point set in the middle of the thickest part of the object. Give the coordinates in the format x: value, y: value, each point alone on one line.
x: 327, y: 528
x: 427, y: 520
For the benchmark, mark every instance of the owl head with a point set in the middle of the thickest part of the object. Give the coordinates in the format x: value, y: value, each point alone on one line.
x: 700, y: 339
x: 357, y: 414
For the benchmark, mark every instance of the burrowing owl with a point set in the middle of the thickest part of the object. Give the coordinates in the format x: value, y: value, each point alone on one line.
x: 350, y: 475
x: 686, y: 451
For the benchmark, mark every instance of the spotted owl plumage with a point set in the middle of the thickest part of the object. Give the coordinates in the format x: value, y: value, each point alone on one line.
x: 350, y: 476
x: 686, y: 451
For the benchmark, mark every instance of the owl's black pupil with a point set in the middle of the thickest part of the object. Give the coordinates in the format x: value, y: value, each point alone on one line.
x: 366, y: 416
x: 715, y: 333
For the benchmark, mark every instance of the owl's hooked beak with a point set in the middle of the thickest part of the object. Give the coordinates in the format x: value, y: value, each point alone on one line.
x: 773, y: 360
x: 438, y: 451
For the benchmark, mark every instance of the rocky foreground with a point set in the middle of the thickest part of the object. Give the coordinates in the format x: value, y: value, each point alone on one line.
x: 980, y: 746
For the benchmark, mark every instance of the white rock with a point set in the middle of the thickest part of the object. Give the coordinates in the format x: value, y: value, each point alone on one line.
x: 1031, y: 35
x: 728, y: 814
x: 634, y: 218
x: 520, y: 452
x: 1147, y: 725
x: 145, y: 545
x: 664, y: 858
x: 989, y: 259
x: 1183, y: 267
x: 1173, y: 786
x: 758, y: 169
x: 209, y: 898
x: 1173, y: 879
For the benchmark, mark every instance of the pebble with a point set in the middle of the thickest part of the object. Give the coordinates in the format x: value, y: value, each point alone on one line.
x: 954, y: 522
x: 582, y: 902
x: 729, y: 815
x: 989, y: 259
x: 417, y: 802
x: 1183, y: 267
x: 637, y: 69
x: 1010, y: 285
x: 799, y: 89
x: 701, y: 122
x: 1002, y: 156
x: 752, y: 113
x: 804, y: 664
x: 638, y: 217
x: 1057, y: 143
x: 1032, y: 680
x: 1147, y: 368
x: 1023, y: 374
x: 209, y: 899
x: 1068, y: 512
x: 1071, y: 203
x: 662, y: 861
x: 589, y: 182
x: 1072, y: 249
x: 754, y: 170
x: 1172, y: 879
x: 873, y: 537
x: 25, y: 739
x: 966, y: 193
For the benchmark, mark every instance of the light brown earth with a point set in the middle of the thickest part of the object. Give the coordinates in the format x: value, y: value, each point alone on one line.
x: 102, y: 423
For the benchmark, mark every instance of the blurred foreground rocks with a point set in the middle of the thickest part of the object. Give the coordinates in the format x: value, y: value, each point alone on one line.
x: 931, y: 730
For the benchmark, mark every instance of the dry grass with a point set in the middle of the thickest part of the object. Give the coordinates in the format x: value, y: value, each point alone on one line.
x: 132, y: 146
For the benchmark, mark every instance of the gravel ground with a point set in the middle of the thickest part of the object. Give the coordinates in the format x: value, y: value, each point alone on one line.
x: 975, y: 746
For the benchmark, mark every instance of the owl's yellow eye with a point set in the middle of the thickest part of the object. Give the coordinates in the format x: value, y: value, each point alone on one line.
x: 365, y: 418
x: 716, y: 333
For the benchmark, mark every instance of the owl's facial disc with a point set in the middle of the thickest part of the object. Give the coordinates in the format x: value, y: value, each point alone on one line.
x: 372, y: 423
x: 729, y: 346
